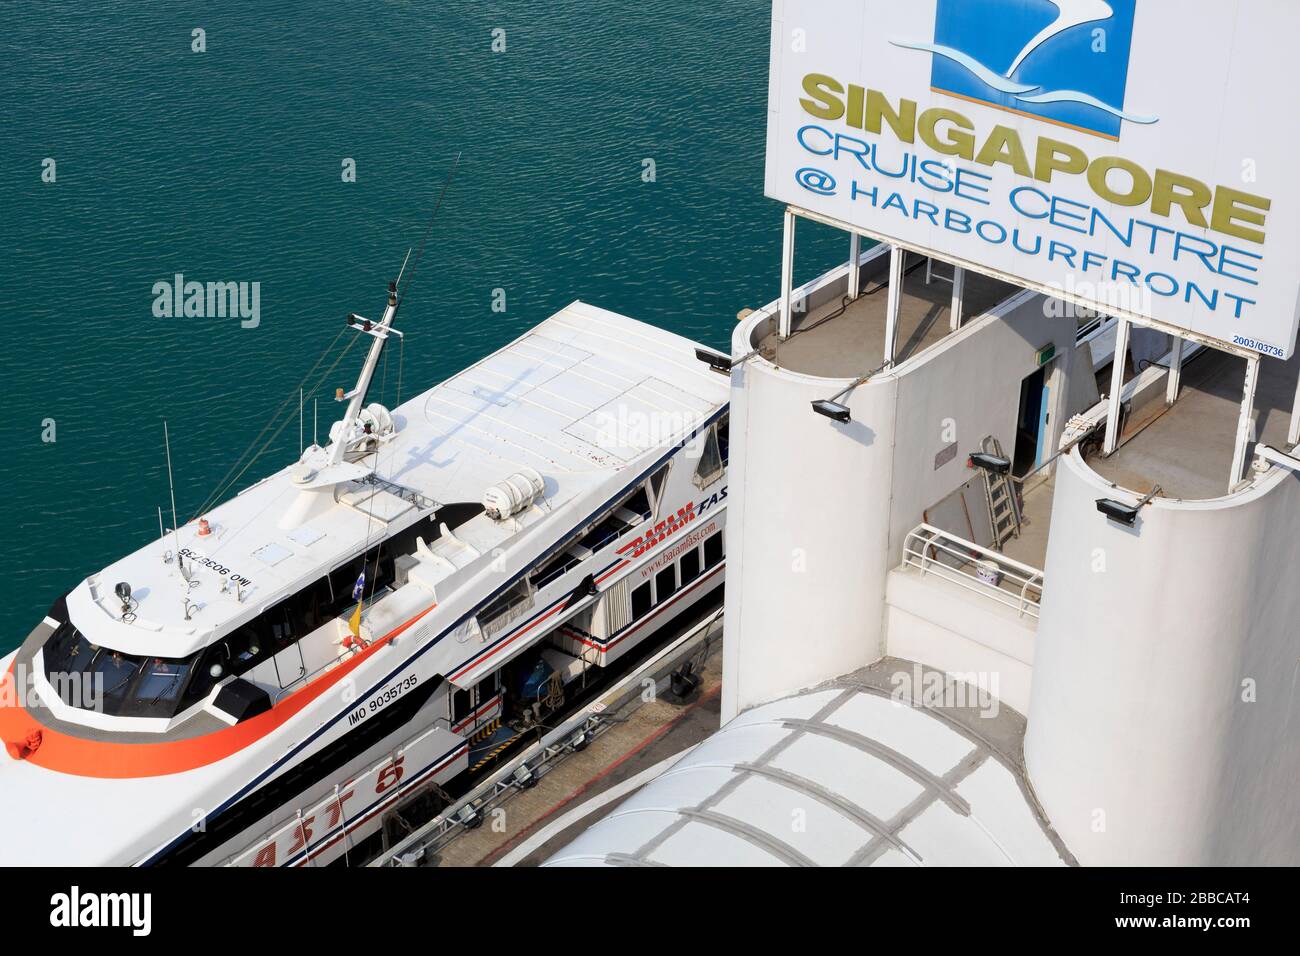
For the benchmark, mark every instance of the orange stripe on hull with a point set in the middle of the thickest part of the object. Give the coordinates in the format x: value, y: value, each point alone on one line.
x: 110, y: 760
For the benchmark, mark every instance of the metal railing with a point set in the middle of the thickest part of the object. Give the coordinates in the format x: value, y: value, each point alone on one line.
x: 932, y: 550
x: 570, y: 736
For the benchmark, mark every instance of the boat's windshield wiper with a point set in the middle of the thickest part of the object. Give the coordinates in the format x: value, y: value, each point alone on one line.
x: 166, y: 689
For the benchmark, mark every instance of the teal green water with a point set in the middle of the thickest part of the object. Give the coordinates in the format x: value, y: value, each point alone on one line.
x: 226, y: 166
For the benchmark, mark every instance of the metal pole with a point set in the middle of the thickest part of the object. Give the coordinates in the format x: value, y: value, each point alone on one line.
x: 1244, y: 421
x: 958, y: 296
x: 1175, y: 371
x: 896, y: 256
x: 363, y: 382
x: 855, y: 253
x: 171, y: 490
x: 787, y: 273
x: 1293, y: 436
x: 1116, y: 386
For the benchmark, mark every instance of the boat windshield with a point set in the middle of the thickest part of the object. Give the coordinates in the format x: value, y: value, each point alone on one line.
x: 121, y: 685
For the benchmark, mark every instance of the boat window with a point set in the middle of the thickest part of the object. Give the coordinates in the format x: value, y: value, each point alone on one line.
x: 311, y: 607
x: 639, y: 503
x: 214, y: 666
x: 724, y: 438
x: 690, y: 566
x: 113, y: 672
x: 246, y: 648
x: 641, y: 601
x: 611, y: 528
x: 709, y: 468
x: 507, y: 606
x: 555, y: 568
x: 656, y: 485
x: 68, y: 651
x: 713, y: 549
x: 161, y: 680
x: 117, y: 684
x: 665, y: 583
x: 460, y: 705
x: 628, y: 514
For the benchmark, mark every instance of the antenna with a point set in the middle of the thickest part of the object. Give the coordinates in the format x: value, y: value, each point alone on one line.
x: 171, y: 487
x: 300, y: 446
x: 314, y: 403
x: 401, y: 297
x: 162, y: 534
x: 402, y: 271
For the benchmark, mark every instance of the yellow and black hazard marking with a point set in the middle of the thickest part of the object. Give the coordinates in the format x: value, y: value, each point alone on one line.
x: 495, y: 751
x: 487, y: 730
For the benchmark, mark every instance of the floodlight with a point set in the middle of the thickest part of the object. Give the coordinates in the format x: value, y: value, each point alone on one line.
x: 994, y: 463
x: 714, y: 360
x: 832, y: 410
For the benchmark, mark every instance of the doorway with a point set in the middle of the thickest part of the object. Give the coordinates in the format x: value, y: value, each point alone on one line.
x: 1031, y: 423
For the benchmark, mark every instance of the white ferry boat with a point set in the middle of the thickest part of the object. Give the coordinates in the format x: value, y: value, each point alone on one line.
x: 260, y: 685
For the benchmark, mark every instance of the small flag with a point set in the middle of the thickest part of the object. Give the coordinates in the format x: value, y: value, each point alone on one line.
x: 354, y: 622
x: 359, y: 588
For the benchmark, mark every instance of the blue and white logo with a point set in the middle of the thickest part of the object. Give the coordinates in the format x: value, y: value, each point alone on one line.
x: 1063, y: 61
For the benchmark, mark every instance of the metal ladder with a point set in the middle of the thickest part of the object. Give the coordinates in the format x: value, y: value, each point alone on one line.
x: 1000, y: 494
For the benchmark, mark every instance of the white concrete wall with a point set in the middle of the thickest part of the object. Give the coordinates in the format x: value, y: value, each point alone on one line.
x: 819, y: 510
x: 806, y: 533
x: 940, y: 624
x: 1140, y: 745
x: 971, y: 380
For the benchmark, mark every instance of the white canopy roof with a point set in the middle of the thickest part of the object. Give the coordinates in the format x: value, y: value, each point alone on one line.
x: 840, y: 776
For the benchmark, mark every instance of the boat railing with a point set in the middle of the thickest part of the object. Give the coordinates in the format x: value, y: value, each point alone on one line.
x: 975, y: 568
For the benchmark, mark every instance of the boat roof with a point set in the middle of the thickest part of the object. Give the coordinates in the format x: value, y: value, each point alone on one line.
x: 579, y: 398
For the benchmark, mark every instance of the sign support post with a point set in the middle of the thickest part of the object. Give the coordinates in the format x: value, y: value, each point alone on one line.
x: 1174, y: 383
x: 1116, y: 386
x: 958, y: 296
x: 787, y: 273
x: 855, y: 253
x: 896, y: 256
x: 1293, y: 436
x: 1244, y: 419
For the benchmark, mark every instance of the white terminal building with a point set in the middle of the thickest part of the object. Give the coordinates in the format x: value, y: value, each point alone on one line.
x: 1012, y: 565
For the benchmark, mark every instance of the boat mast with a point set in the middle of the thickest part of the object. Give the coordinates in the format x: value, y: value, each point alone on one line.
x: 358, y: 394
x: 383, y: 330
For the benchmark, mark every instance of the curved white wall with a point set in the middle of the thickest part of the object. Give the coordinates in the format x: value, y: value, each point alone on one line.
x: 807, y: 531
x: 1140, y: 745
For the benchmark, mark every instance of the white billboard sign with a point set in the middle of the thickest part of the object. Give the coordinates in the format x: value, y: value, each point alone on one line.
x: 1137, y: 156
